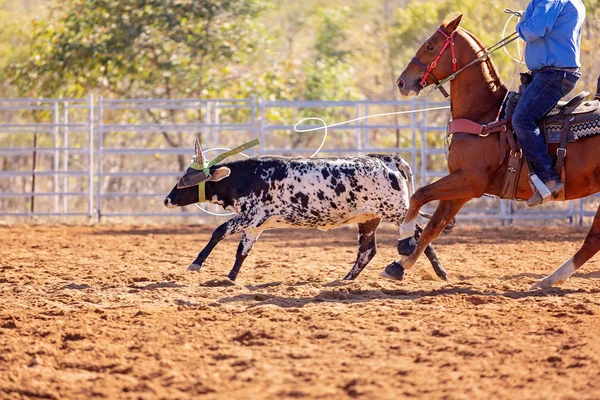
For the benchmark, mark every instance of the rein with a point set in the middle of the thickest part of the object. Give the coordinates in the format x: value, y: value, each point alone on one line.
x: 450, y: 43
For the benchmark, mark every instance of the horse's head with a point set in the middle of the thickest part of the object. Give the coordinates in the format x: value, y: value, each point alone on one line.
x: 436, y: 54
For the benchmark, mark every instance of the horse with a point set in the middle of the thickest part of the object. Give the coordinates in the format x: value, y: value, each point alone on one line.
x: 473, y: 160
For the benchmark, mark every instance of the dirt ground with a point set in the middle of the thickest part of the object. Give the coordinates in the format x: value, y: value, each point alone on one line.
x: 111, y: 312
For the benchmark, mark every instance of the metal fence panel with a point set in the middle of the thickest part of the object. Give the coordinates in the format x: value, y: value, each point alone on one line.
x: 44, y: 144
x: 124, y: 155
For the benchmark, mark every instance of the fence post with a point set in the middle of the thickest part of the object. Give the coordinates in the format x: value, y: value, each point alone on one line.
x: 253, y: 121
x: 90, y: 155
x: 263, y: 114
x: 65, y: 145
x: 358, y: 131
x: 99, y: 152
x: 56, y: 157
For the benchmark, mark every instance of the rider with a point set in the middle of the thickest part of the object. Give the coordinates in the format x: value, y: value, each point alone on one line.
x: 552, y: 31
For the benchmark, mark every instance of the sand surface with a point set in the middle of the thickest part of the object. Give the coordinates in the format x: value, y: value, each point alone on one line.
x: 111, y: 312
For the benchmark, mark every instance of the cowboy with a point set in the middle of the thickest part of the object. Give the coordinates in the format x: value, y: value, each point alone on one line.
x: 552, y: 32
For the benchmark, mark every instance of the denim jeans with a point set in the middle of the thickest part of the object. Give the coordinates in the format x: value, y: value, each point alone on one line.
x: 542, y: 94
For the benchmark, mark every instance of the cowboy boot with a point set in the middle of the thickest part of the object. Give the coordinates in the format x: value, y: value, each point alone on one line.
x: 554, y: 186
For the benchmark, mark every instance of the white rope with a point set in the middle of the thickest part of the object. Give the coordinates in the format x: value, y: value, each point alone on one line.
x: 204, y: 209
x: 520, y: 59
x: 325, y: 126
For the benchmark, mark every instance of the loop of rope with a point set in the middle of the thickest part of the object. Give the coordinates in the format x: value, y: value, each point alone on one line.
x: 502, y: 43
x: 204, y: 209
x: 512, y: 15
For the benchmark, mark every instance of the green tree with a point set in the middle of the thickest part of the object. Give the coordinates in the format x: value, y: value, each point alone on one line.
x: 139, y: 48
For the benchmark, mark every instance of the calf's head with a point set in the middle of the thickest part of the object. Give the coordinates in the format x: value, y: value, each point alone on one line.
x: 186, y: 191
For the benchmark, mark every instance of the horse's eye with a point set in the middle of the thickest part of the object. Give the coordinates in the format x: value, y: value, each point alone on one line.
x: 430, y: 47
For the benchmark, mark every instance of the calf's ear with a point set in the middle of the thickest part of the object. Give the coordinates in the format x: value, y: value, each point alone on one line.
x: 220, y: 174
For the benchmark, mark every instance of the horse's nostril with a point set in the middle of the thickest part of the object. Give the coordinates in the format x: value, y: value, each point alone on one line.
x: 166, y: 201
x: 400, y: 83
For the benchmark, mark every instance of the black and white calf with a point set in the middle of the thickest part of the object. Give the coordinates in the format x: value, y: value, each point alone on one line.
x: 323, y: 193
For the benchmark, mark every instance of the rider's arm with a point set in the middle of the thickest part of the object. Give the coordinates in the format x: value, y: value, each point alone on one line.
x: 539, y: 19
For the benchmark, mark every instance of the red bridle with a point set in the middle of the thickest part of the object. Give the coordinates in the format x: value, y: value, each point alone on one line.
x: 429, y: 70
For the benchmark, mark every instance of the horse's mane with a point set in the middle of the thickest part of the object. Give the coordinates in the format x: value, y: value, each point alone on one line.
x: 489, y: 70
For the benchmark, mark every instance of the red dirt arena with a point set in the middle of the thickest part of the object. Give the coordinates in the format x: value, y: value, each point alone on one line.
x: 110, y: 311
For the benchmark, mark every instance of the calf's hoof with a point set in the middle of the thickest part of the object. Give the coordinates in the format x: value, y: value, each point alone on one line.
x: 407, y: 246
x: 232, y: 277
x: 439, y: 270
x: 350, y: 276
x: 194, y: 267
x: 394, y: 271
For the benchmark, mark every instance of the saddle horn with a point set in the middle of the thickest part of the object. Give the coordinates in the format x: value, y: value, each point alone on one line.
x: 597, y: 96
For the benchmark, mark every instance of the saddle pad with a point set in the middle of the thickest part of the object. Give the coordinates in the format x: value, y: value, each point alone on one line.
x: 578, y: 130
x: 585, y: 123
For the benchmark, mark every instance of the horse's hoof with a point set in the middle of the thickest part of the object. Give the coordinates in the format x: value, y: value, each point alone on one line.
x: 407, y: 246
x: 394, y: 271
x: 545, y: 284
x: 194, y: 267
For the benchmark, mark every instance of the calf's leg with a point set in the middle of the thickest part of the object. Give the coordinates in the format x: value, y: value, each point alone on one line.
x: 367, y: 249
x: 249, y: 237
x: 431, y: 255
x: 234, y: 225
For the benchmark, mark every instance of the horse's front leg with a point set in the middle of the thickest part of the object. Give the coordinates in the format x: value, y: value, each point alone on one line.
x: 450, y: 187
x: 453, y: 191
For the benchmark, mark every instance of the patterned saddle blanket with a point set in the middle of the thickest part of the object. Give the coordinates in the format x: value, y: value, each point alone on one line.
x: 585, y: 120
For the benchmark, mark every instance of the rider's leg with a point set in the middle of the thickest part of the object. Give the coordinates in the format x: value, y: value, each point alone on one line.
x: 542, y: 94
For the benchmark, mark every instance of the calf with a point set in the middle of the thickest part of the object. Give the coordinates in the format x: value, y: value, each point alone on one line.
x: 323, y: 193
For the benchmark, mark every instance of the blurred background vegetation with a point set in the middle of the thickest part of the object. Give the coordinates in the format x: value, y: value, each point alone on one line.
x: 280, y: 49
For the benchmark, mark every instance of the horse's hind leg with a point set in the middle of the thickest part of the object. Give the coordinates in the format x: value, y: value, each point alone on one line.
x: 431, y: 255
x: 367, y: 249
x: 590, y: 246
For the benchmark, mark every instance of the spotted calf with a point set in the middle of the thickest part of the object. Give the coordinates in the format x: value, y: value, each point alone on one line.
x: 323, y: 193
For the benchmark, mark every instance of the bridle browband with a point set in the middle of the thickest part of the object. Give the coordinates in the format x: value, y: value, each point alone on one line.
x: 434, y: 63
x: 450, y: 42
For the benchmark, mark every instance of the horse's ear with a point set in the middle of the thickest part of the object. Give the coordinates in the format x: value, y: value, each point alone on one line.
x: 451, y: 22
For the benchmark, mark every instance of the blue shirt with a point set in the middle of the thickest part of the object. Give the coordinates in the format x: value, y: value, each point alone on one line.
x: 552, y: 30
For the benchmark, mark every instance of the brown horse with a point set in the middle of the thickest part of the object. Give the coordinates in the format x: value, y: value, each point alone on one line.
x: 477, y: 94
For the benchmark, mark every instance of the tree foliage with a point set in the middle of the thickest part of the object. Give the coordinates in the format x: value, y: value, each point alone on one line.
x: 140, y: 48
x: 282, y: 49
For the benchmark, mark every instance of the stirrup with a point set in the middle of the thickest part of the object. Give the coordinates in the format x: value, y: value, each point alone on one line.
x: 538, y: 198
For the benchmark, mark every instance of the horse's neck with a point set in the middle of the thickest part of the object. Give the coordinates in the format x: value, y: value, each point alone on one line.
x: 477, y: 93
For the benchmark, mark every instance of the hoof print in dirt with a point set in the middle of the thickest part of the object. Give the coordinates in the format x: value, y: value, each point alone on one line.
x: 194, y: 267
x: 218, y: 283
x: 394, y: 271
x: 407, y: 246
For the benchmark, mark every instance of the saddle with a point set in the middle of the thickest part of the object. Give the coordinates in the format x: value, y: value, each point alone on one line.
x: 568, y: 121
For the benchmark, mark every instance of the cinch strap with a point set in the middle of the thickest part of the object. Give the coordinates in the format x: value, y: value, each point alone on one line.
x: 206, y: 165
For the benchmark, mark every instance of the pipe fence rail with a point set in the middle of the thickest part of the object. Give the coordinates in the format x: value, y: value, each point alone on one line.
x: 103, y: 158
